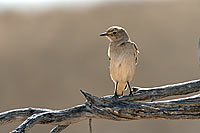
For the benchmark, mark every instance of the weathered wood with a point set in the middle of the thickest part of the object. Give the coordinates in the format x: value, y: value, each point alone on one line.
x: 160, y: 92
x: 19, y: 114
x: 122, y: 109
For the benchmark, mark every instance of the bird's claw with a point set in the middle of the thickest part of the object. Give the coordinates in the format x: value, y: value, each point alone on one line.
x: 131, y: 93
x: 115, y: 96
x: 135, y: 89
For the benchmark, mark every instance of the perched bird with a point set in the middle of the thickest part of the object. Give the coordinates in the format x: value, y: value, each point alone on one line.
x: 123, y: 56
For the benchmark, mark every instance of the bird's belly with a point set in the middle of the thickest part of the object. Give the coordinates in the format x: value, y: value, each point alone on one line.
x: 122, y: 69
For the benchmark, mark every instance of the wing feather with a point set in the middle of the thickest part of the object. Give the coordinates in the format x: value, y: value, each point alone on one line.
x: 136, y: 51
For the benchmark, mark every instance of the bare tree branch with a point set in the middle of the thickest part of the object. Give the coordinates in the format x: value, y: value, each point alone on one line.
x: 19, y: 114
x: 122, y: 109
x: 156, y: 93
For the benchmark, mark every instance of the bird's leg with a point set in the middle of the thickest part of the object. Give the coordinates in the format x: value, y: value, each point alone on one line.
x: 125, y: 87
x: 131, y: 93
x: 115, y: 94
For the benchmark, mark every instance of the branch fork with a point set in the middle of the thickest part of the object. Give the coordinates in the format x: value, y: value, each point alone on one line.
x: 122, y: 109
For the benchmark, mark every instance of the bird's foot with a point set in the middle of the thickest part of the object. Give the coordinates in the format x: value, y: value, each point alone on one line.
x: 135, y: 89
x: 115, y: 96
x: 131, y: 93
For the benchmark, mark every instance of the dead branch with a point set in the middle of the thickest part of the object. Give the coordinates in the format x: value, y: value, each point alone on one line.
x: 122, y: 109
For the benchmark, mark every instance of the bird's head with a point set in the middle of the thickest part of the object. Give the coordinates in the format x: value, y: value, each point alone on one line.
x: 116, y: 34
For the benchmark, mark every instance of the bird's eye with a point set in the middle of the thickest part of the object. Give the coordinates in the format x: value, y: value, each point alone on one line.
x: 114, y: 33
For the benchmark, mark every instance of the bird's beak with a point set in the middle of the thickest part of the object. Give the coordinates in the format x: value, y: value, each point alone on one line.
x: 103, y: 34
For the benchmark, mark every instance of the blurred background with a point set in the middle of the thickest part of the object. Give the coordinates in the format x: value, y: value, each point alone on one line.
x: 50, y: 49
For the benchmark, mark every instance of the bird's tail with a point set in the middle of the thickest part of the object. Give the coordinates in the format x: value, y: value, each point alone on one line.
x: 120, y: 88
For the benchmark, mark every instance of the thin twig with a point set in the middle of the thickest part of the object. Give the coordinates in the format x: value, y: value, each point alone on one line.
x: 90, y: 125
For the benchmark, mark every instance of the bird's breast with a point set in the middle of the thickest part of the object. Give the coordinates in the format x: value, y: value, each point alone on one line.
x: 122, y: 64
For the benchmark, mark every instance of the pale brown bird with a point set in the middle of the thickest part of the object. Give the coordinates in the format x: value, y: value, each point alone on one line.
x: 123, y: 56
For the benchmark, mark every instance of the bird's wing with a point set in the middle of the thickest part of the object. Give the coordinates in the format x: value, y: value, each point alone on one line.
x: 136, y: 51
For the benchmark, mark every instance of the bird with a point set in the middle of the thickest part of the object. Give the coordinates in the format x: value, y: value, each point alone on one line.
x: 123, y: 57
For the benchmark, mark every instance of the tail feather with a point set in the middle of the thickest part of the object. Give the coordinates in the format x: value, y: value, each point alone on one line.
x: 120, y: 88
